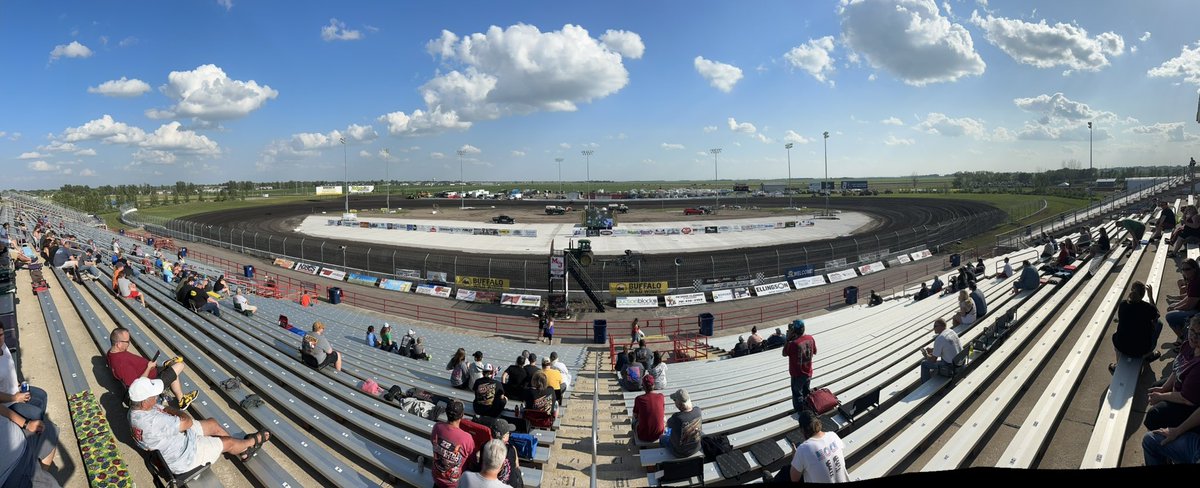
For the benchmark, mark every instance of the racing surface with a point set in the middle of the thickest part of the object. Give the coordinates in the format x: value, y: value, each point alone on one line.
x: 901, y: 223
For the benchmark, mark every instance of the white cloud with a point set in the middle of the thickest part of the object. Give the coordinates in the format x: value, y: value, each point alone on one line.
x: 161, y: 146
x: 744, y: 127
x: 104, y: 129
x: 892, y: 121
x: 72, y: 50
x: 1186, y: 65
x: 208, y: 93
x: 170, y: 137
x: 720, y: 75
x: 1171, y: 131
x: 365, y: 154
x: 58, y: 146
x: 1059, y: 107
x: 1133, y: 49
x: 437, y: 155
x: 42, y: 166
x: 564, y: 145
x: 469, y: 149
x: 122, y: 88
x: 128, y: 41
x: 87, y: 172
x: 671, y: 147
x: 794, y: 137
x: 228, y: 4
x: 305, y: 142
x: 517, y: 154
x: 871, y: 77
x: 1046, y: 46
x: 626, y: 43
x: 910, y: 39
x: 514, y: 71
x: 1060, y: 132
x: 1001, y: 134
x: 337, y: 31
x: 814, y: 58
x: 939, y: 124
x: 1145, y: 37
x: 895, y: 141
x: 762, y: 138
x: 32, y: 155
x: 709, y: 129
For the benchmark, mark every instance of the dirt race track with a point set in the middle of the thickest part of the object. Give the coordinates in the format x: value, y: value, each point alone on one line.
x: 900, y: 223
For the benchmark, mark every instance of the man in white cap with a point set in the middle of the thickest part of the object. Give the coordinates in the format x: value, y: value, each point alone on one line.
x: 407, y: 341
x: 184, y: 443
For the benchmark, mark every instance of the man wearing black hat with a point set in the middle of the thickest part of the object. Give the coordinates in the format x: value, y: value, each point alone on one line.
x: 510, y: 470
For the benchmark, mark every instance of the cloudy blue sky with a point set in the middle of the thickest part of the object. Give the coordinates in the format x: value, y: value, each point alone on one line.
x: 210, y: 90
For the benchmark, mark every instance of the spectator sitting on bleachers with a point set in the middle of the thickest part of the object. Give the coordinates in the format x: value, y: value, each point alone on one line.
x: 684, y: 428
x: 1138, y: 326
x: 775, y: 340
x: 372, y: 338
x: 510, y: 470
x: 945, y: 347
x: 1102, y: 243
x: 417, y: 351
x: 491, y: 460
x: 1085, y: 239
x: 631, y: 376
x: 922, y: 294
x: 1178, y: 397
x: 1029, y: 279
x: 27, y: 449
x: 1047, y: 251
x: 980, y: 268
x: 406, y: 342
x: 643, y: 355
x: 562, y: 368
x: 1189, y: 228
x: 1173, y: 445
x: 490, y: 399
x: 1180, y: 309
x: 1007, y: 271
x: 754, y: 343
x: 219, y: 287
x: 659, y: 371
x: 649, y: 418
x: 540, y: 405
x: 127, y: 367
x: 515, y: 379
x: 936, y: 286
x: 799, y: 350
x: 553, y: 379
x: 31, y: 404
x: 315, y: 350
x: 1064, y: 257
x: 459, y: 370
x: 184, y: 443
x: 819, y: 458
x: 385, y: 339
x: 875, y: 299
x: 129, y: 290
x: 87, y: 267
x: 636, y: 334
x: 531, y: 367
x: 241, y: 304
x: 740, y: 349
x: 199, y: 301
x: 621, y: 360
x: 979, y: 299
x: 475, y: 369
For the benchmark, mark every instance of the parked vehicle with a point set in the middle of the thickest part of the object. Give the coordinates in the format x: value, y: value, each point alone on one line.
x: 502, y: 219
x: 697, y: 211
x: 555, y: 210
x: 618, y: 208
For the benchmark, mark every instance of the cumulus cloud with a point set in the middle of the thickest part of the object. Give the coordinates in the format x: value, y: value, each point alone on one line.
x: 87, y: 172
x: 1063, y: 132
x: 469, y: 149
x: 72, y: 50
x: 896, y: 141
x: 939, y: 124
x: 671, y: 147
x: 628, y: 44
x: 1047, y: 46
x: 720, y: 75
x: 437, y: 155
x: 910, y: 39
x: 42, y: 166
x: 1003, y: 135
x: 514, y: 71
x: 337, y: 31
x: 1145, y: 37
x: 1185, y: 65
x: 1170, y: 131
x: 892, y: 121
x: 517, y: 154
x: 32, y: 155
x: 208, y: 93
x: 794, y: 137
x: 743, y: 127
x: 307, y: 144
x: 128, y: 41
x: 161, y: 146
x: 762, y: 138
x: 709, y: 129
x: 814, y: 58
x: 104, y: 129
x: 563, y: 145
x: 228, y: 4
x: 1059, y: 107
x: 122, y: 88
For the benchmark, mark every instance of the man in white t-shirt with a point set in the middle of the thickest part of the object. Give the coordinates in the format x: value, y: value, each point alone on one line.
x: 945, y: 347
x: 819, y: 458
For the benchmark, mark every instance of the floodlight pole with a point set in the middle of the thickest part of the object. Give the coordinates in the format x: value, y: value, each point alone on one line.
x: 387, y: 165
x: 717, y: 187
x: 346, y: 168
x: 1089, y: 145
x: 587, y: 162
x: 560, y: 183
x: 826, y: 140
x: 788, y: 189
x: 462, y: 184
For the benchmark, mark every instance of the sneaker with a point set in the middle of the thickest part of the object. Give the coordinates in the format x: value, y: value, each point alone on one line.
x: 187, y: 399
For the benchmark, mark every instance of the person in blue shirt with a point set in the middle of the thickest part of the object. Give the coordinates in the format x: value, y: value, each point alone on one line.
x: 372, y: 338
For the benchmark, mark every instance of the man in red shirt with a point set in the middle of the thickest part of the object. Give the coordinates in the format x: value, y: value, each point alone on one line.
x: 799, y: 350
x: 127, y: 366
x: 452, y: 447
x: 648, y: 413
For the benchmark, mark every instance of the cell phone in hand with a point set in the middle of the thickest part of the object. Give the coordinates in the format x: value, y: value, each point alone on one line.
x: 156, y: 355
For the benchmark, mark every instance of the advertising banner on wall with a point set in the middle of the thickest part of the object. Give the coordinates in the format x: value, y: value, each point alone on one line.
x: 799, y: 272
x: 842, y: 275
x: 638, y: 288
x: 521, y: 300
x: 480, y: 282
x: 329, y: 190
x: 808, y: 282
x: 903, y: 259
x: 919, y: 255
x: 333, y: 274
x: 307, y: 268
x: 867, y: 269
x: 772, y: 288
x: 434, y: 290
x: 408, y: 273
x: 362, y: 188
x: 285, y: 263
x: 436, y: 276
x: 362, y: 279
x: 637, y: 302
x: 684, y: 299
x: 396, y: 285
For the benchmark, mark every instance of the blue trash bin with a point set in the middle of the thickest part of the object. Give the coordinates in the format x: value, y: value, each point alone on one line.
x: 248, y: 270
x: 600, y: 331
x: 850, y: 293
x: 955, y: 260
x: 183, y: 252
x: 706, y: 324
x: 335, y: 295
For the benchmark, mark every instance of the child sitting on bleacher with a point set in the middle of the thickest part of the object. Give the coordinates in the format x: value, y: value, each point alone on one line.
x: 540, y: 405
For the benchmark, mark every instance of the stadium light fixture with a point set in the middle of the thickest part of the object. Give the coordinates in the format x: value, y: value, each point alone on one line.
x: 715, y: 151
x: 387, y: 165
x: 788, y: 189
x: 826, y: 140
x: 462, y: 184
x: 587, y: 162
x: 346, y: 168
x: 560, y: 183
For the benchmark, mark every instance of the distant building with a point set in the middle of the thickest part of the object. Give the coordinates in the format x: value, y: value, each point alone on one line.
x: 1106, y: 184
x: 1139, y: 183
x: 774, y: 187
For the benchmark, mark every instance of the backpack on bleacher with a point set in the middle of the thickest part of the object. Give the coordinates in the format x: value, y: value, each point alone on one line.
x: 714, y: 445
x: 821, y: 401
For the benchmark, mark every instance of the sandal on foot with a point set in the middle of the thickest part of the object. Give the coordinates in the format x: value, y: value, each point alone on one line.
x: 260, y: 438
x: 186, y: 399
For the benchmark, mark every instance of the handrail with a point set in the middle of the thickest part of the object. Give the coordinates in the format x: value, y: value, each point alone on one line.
x: 595, y: 414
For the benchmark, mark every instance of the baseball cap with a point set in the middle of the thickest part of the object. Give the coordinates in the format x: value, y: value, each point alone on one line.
x: 412, y: 332
x: 143, y: 388
x: 454, y: 411
x: 649, y: 381
x: 501, y: 427
x: 681, y: 396
x: 489, y: 368
x: 796, y: 324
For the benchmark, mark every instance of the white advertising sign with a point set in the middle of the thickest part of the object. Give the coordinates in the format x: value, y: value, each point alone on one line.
x: 722, y: 295
x: 637, y: 302
x: 684, y: 299
x: 333, y: 274
x: 808, y: 282
x: 867, y: 269
x: 434, y: 290
x: 307, y: 268
x: 904, y: 259
x: 521, y: 300
x: 842, y: 275
x: 362, y: 188
x: 329, y: 190
x: 917, y: 256
x: 772, y: 288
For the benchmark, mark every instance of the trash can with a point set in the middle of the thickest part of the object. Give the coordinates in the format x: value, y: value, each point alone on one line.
x: 150, y: 242
x: 706, y: 324
x: 600, y: 331
x: 183, y: 252
x: 121, y: 231
x: 955, y: 260
x: 850, y: 293
x: 335, y: 295
x: 248, y: 270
